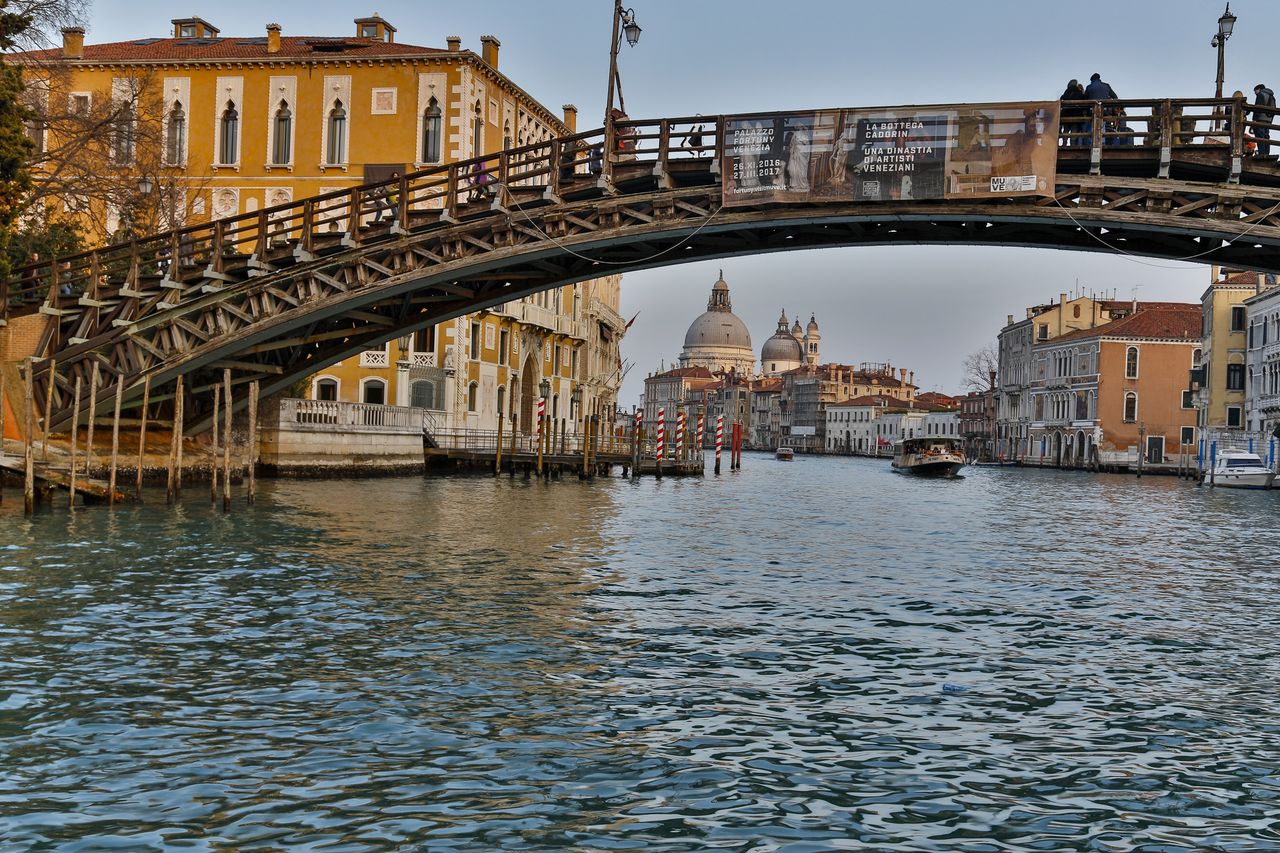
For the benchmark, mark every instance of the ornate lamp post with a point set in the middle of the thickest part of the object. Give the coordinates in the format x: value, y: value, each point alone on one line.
x: 624, y: 22
x: 1225, y: 25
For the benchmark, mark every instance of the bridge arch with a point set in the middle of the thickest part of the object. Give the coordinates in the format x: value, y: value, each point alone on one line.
x: 278, y: 294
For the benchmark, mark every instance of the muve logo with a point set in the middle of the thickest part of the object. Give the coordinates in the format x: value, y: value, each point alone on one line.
x: 1013, y: 183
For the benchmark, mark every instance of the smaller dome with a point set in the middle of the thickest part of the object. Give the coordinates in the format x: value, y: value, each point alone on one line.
x: 813, y: 324
x: 796, y: 330
x: 781, y: 347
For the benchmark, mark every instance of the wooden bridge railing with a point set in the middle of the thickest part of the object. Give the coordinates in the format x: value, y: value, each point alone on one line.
x: 525, y: 176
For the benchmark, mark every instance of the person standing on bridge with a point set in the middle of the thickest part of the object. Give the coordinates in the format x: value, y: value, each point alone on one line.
x: 1074, y: 118
x: 1264, y: 110
x: 1099, y: 90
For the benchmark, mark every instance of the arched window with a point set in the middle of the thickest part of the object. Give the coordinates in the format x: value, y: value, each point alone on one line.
x: 477, y: 131
x: 326, y: 389
x: 122, y: 134
x: 1195, y: 357
x: 422, y: 394
x: 336, y: 153
x: 282, y: 141
x: 1130, y: 407
x: 176, y: 135
x: 472, y: 394
x: 1131, y: 363
x: 502, y: 399
x: 373, y: 391
x: 506, y: 135
x: 229, y: 136
x: 431, y: 132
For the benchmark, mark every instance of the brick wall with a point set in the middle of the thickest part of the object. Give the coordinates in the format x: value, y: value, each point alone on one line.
x: 19, y: 339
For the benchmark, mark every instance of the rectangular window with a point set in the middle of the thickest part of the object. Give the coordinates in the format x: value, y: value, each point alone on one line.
x: 1042, y: 332
x: 504, y: 344
x: 475, y: 340
x: 1188, y: 435
x: 1233, y: 416
x: 1235, y: 377
x: 1237, y: 318
x: 488, y: 335
x: 1187, y: 401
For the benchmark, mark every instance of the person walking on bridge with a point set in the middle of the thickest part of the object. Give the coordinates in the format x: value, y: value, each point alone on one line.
x: 1264, y: 110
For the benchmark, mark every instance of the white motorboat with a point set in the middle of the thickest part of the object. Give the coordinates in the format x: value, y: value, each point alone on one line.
x: 932, y: 456
x: 784, y: 454
x: 1238, y: 469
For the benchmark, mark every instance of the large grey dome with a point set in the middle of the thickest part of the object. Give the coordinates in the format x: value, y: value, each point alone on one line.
x: 718, y: 340
x: 718, y: 329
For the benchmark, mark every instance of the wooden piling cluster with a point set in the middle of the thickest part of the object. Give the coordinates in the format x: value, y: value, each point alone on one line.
x: 40, y: 479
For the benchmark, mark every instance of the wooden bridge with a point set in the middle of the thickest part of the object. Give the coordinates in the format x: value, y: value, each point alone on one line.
x: 279, y: 293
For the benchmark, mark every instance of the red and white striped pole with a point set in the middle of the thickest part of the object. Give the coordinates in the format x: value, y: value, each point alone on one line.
x: 635, y: 443
x: 679, y: 435
x: 661, y: 437
x: 542, y: 418
x: 702, y: 430
x: 719, y: 439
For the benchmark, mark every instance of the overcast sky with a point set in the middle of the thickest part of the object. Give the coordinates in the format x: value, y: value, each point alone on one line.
x: 919, y: 307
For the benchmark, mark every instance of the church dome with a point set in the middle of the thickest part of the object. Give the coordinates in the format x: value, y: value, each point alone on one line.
x: 718, y: 340
x: 718, y: 329
x: 782, y: 346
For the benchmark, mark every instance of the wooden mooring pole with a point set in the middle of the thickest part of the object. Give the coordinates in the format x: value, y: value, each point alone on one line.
x: 93, y: 415
x: 252, y: 496
x: 142, y: 435
x: 48, y: 407
x: 226, y: 441
x: 115, y: 443
x: 175, y: 441
x: 213, y: 461
x: 75, y: 435
x: 178, y: 429
x: 28, y: 448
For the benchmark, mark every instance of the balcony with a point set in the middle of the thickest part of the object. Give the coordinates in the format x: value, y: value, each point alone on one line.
x: 536, y: 315
x: 606, y: 315
x: 375, y: 358
x: 422, y: 359
x: 570, y: 327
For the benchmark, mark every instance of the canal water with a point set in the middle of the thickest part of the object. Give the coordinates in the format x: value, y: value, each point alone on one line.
x: 808, y: 656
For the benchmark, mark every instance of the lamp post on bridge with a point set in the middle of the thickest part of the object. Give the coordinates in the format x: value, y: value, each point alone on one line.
x: 1226, y: 24
x: 624, y: 22
x: 544, y: 391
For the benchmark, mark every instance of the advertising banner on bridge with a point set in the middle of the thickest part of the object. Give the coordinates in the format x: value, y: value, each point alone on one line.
x: 920, y: 153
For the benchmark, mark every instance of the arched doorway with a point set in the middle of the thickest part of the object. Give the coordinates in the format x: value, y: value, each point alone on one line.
x: 528, y: 387
x: 1057, y: 449
x: 1082, y: 450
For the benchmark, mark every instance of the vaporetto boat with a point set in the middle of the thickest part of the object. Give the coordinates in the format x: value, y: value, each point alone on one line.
x: 933, y: 456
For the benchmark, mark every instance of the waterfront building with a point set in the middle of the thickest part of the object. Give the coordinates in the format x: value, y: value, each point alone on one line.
x: 1262, y: 362
x: 670, y: 390
x: 852, y: 424
x: 717, y: 339
x: 1103, y: 395
x: 978, y: 422
x: 221, y: 126
x: 766, y: 413
x: 1221, y: 375
x: 1016, y: 344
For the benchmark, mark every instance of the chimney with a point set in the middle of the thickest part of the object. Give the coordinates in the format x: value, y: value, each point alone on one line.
x: 912, y: 378
x: 273, y: 38
x: 991, y: 377
x: 453, y: 43
x: 1062, y: 299
x: 489, y: 51
x: 902, y: 375
x: 1010, y: 321
x: 73, y: 42
x: 570, y: 117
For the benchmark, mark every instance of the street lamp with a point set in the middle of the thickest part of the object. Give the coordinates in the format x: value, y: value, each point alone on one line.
x: 144, y: 185
x: 624, y: 21
x: 544, y: 388
x: 1225, y: 25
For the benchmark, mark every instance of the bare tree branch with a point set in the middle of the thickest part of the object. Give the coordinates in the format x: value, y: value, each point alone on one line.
x: 979, y: 367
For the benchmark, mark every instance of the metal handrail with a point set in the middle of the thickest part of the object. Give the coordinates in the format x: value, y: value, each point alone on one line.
x: 442, y: 194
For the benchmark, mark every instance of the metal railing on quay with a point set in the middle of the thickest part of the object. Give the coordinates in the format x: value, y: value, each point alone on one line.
x: 157, y: 265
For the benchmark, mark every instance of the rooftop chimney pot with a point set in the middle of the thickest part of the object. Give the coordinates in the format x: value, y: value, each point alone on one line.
x: 73, y: 42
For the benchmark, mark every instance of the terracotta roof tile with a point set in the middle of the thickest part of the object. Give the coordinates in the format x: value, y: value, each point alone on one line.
x: 245, y: 47
x: 1177, y: 321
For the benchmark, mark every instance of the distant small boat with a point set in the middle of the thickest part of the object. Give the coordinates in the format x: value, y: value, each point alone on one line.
x: 934, y: 456
x: 1236, y: 469
x: 784, y: 454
